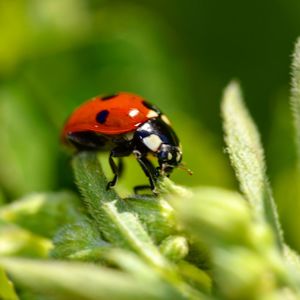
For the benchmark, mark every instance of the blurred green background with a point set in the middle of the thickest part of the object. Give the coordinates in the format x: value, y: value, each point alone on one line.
x: 54, y: 54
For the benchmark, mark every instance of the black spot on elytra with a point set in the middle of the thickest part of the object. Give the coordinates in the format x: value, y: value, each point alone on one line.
x: 102, y: 116
x: 108, y: 97
x: 151, y: 106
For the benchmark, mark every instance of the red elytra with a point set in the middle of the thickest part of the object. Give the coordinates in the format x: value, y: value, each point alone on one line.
x: 125, y: 112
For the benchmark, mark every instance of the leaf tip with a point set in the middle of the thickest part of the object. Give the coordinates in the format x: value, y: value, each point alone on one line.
x: 232, y: 92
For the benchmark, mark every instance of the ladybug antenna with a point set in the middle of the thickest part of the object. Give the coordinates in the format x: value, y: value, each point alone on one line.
x: 182, y: 166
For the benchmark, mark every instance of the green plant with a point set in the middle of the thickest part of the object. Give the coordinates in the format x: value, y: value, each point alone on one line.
x: 198, y: 243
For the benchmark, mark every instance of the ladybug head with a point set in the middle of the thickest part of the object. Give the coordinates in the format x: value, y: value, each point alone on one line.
x: 169, y: 157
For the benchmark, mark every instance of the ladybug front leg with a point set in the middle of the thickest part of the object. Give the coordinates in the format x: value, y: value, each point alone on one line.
x: 149, y: 171
x: 117, y: 170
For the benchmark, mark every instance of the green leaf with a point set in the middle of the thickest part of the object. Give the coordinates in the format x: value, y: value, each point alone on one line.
x: 7, y: 291
x: 117, y: 224
x: 175, y: 248
x: 293, y: 262
x: 295, y: 98
x: 155, y: 214
x: 132, y: 264
x: 43, y: 213
x: 247, y: 157
x: 79, y: 241
x: 70, y: 280
x: 215, y: 216
x: 243, y: 250
x: 250, y: 283
x: 195, y: 276
x: 15, y: 240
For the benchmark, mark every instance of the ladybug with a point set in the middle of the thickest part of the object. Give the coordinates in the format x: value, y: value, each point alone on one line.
x: 125, y: 124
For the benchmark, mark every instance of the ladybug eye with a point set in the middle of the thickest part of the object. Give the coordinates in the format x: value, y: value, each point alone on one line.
x: 163, y: 155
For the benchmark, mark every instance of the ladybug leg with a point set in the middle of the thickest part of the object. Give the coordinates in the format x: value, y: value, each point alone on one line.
x: 120, y: 167
x: 149, y: 171
x: 117, y: 170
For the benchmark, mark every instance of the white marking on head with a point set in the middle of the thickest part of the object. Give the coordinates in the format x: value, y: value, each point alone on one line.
x: 133, y: 112
x: 165, y: 119
x: 178, y: 156
x: 170, y: 156
x: 152, y: 114
x: 146, y: 127
x: 153, y: 142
